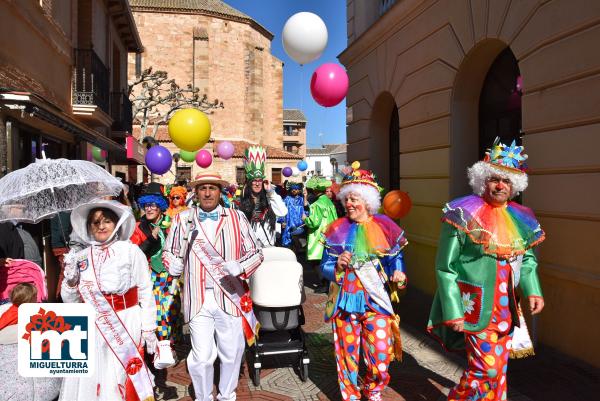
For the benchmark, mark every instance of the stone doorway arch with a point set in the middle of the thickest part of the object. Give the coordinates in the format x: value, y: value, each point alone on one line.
x: 465, y: 128
x: 384, y: 138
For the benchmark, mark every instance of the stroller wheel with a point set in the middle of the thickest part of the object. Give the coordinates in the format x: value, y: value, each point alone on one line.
x: 303, y: 370
x: 256, y: 376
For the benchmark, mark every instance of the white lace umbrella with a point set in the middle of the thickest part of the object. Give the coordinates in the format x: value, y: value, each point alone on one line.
x: 49, y: 186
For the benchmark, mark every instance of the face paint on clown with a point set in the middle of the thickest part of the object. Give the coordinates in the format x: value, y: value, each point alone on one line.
x: 356, y: 208
x: 497, y: 190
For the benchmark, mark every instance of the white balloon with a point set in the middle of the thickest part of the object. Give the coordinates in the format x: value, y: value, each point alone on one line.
x: 295, y: 171
x: 304, y: 37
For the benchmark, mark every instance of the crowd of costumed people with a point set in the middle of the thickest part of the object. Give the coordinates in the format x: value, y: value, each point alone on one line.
x: 151, y: 259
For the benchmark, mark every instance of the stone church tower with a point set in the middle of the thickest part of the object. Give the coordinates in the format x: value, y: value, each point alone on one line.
x: 226, y: 54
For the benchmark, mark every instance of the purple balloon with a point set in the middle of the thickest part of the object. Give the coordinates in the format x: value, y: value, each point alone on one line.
x: 329, y: 84
x: 225, y: 150
x: 287, y: 172
x: 203, y: 158
x: 158, y: 159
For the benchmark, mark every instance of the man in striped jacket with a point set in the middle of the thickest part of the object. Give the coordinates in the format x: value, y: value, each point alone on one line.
x: 216, y: 250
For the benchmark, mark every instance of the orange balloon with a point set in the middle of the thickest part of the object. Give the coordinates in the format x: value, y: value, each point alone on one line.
x: 396, y: 204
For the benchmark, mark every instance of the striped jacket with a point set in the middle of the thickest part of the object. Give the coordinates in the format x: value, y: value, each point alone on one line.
x: 234, y: 241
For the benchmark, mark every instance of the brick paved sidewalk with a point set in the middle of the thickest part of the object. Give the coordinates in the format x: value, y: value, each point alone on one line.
x: 426, y: 373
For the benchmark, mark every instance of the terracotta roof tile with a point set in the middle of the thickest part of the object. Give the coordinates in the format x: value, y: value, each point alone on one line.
x: 239, y: 145
x: 326, y: 149
x: 212, y: 7
x: 293, y: 115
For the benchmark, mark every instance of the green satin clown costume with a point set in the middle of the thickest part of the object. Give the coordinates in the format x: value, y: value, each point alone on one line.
x: 485, y: 252
x: 462, y: 261
x: 322, y: 213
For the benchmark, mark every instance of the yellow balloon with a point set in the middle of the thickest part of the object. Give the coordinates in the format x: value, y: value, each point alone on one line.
x: 189, y: 129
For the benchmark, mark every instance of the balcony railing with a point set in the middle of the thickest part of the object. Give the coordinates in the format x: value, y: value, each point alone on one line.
x: 292, y: 132
x: 90, y: 80
x: 120, y: 111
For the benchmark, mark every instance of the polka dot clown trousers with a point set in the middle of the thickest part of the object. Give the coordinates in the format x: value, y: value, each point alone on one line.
x: 488, y: 350
x: 372, y: 332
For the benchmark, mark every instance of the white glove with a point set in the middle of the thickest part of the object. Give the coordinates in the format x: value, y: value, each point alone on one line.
x: 233, y: 268
x: 151, y: 341
x: 173, y: 264
x: 71, y: 272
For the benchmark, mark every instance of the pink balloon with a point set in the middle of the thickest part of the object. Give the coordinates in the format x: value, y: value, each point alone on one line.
x: 225, y: 150
x: 204, y: 158
x: 329, y: 84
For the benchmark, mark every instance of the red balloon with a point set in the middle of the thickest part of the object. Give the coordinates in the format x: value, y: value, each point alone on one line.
x: 396, y: 204
x: 329, y: 84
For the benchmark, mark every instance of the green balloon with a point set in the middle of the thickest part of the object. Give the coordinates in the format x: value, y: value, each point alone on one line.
x: 187, y: 156
x: 97, y: 154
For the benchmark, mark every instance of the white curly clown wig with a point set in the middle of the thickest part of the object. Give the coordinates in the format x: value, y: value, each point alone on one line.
x: 368, y: 193
x: 479, y: 172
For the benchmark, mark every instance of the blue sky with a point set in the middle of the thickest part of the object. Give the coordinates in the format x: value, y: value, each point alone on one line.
x: 272, y: 14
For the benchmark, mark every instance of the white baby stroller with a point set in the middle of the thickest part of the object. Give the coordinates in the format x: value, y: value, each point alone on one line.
x: 277, y: 292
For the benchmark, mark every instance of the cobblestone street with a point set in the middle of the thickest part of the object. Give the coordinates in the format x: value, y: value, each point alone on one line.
x: 426, y: 373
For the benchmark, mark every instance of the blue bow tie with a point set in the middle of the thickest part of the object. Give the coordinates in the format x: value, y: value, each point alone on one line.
x: 212, y: 215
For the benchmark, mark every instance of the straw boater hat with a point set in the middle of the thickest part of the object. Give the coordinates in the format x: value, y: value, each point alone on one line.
x: 209, y: 178
x: 501, y: 160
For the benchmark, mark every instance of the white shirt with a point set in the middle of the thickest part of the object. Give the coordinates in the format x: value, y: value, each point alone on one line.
x: 209, y: 226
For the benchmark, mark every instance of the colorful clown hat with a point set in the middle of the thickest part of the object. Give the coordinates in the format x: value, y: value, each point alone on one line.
x: 510, y: 157
x: 359, y: 176
x: 503, y: 161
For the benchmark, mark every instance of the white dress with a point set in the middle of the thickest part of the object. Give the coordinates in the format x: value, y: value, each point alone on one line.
x: 119, y: 267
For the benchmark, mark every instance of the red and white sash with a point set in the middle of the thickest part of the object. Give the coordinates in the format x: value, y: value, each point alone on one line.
x: 231, y: 286
x: 114, y: 332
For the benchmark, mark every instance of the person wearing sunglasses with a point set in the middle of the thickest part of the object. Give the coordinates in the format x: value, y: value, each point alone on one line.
x: 150, y: 235
x: 177, y: 196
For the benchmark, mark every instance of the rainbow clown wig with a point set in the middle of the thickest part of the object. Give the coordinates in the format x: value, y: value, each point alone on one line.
x: 503, y: 161
x: 363, y: 184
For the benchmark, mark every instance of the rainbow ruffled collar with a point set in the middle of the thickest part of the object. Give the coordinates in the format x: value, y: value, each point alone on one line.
x: 502, y: 231
x: 377, y: 237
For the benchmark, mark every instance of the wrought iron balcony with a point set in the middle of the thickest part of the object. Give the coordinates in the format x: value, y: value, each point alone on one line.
x: 90, y: 80
x: 289, y: 131
x: 120, y: 111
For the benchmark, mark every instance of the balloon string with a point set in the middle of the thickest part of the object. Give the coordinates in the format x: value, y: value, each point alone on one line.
x: 301, y: 86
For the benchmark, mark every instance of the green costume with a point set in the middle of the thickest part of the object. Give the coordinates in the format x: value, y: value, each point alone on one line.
x: 485, y: 252
x: 459, y: 260
x: 322, y: 213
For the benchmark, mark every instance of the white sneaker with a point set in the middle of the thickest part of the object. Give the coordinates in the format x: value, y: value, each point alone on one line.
x: 163, y: 358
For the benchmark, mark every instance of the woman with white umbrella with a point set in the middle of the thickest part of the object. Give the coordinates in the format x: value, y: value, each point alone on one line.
x: 112, y: 275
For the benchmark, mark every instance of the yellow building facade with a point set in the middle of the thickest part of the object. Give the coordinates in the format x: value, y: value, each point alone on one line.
x: 433, y: 81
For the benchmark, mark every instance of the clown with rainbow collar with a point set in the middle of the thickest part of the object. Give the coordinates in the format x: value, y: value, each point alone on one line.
x: 485, y: 252
x: 363, y: 260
